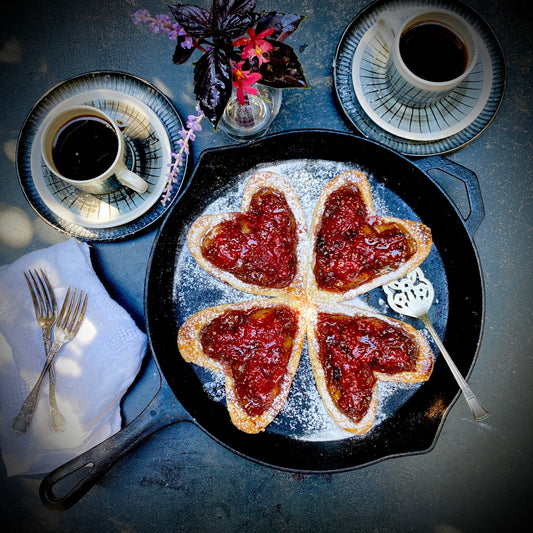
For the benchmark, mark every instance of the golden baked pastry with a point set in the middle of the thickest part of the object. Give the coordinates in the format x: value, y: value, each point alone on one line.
x: 351, y: 350
x: 353, y: 250
x: 257, y: 346
x: 265, y: 249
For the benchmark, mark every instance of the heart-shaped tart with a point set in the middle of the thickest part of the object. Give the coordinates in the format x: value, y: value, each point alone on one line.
x: 261, y: 249
x: 353, y: 250
x: 351, y: 350
x: 257, y: 346
x: 265, y: 249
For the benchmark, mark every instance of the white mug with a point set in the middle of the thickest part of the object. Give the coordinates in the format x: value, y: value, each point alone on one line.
x: 96, y: 165
x: 416, y: 89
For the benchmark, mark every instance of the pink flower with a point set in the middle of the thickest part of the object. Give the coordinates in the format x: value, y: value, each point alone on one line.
x: 243, y: 79
x: 255, y: 45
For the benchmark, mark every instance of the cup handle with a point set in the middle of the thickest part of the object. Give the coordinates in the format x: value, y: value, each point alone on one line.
x: 388, y: 26
x: 131, y: 180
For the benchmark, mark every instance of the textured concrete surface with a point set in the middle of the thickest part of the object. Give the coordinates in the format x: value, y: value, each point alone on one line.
x: 477, y: 478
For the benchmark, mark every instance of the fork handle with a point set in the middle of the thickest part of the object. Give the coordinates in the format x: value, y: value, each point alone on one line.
x: 57, y: 420
x: 479, y: 412
x: 22, y: 421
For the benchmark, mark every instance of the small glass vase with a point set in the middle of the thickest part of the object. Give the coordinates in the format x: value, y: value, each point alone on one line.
x: 244, y: 122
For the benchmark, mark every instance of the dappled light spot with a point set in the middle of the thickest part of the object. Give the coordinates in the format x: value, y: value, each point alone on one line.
x: 16, y: 229
x: 163, y: 87
x: 43, y: 67
x: 6, y: 355
x: 47, y: 233
x: 10, y: 149
x: 11, y: 52
x: 72, y: 365
x: 86, y: 334
x: 66, y: 366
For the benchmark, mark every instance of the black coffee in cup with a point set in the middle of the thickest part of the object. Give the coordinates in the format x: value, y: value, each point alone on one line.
x: 84, y: 148
x: 433, y: 51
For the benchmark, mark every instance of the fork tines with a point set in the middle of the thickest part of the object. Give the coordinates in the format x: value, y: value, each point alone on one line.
x: 39, y: 293
x: 69, y: 319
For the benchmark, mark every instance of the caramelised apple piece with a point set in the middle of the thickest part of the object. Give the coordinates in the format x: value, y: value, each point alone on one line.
x: 257, y: 346
x: 351, y: 350
x: 261, y: 249
x: 353, y: 250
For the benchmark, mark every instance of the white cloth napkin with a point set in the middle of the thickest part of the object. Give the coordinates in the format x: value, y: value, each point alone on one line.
x: 93, y: 371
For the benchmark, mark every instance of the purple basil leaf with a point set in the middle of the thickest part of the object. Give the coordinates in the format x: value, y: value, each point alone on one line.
x: 284, y: 68
x: 181, y: 54
x: 225, y: 8
x: 212, y: 83
x: 283, y: 23
x: 234, y: 26
x: 196, y: 21
x: 233, y: 18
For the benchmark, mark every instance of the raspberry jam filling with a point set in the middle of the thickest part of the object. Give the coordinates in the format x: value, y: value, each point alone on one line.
x: 353, y: 246
x: 258, y: 246
x: 351, y: 349
x: 255, y: 346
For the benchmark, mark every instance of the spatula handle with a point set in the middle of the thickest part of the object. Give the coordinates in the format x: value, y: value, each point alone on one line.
x: 479, y: 412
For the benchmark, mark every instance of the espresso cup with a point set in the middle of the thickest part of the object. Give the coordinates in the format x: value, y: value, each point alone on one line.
x: 431, y: 52
x: 84, y: 147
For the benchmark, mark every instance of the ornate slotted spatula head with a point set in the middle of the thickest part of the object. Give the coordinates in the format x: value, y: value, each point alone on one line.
x: 411, y: 295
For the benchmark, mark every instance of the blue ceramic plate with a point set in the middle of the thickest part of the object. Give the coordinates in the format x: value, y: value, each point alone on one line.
x: 362, y: 90
x: 151, y: 127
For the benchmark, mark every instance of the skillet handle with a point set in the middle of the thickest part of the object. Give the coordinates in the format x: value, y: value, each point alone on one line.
x: 74, y: 479
x: 470, y: 180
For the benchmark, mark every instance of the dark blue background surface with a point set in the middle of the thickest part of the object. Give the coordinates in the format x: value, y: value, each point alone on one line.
x: 478, y: 475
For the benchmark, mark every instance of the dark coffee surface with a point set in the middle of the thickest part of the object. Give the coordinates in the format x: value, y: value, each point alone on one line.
x: 433, y: 52
x: 84, y: 148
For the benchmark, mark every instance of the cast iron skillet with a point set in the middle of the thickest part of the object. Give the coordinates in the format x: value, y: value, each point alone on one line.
x: 411, y: 428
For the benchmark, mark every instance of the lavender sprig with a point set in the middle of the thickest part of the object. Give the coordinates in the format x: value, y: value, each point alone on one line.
x: 187, y: 136
x: 163, y: 24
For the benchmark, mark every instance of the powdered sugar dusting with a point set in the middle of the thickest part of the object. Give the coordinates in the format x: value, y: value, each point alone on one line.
x: 215, y: 389
x: 304, y: 416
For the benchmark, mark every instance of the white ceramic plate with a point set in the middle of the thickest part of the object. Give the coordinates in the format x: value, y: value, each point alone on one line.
x: 360, y: 52
x: 445, y: 118
x: 151, y: 127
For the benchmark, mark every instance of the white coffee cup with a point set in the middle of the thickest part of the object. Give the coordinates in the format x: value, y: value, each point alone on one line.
x: 97, y: 165
x: 417, y: 89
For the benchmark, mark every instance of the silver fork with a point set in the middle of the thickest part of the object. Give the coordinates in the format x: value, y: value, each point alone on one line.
x: 67, y: 325
x: 45, y: 306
